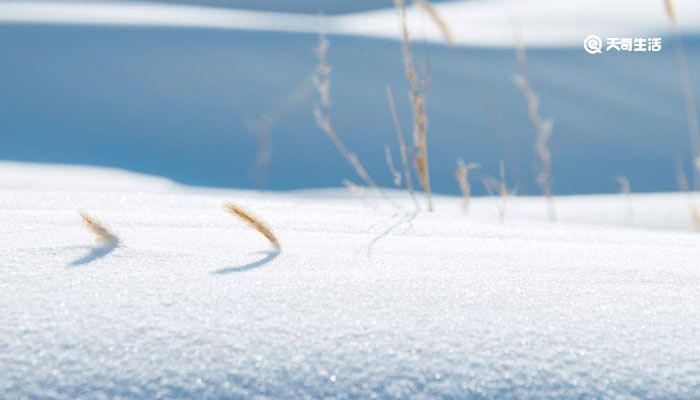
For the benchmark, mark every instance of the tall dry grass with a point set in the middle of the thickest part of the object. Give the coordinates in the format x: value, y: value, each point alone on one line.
x: 462, y: 175
x: 355, y: 189
x: 420, y: 122
x: 626, y: 191
x: 438, y: 20
x: 498, y: 187
x: 264, y: 126
x: 321, y: 80
x: 402, y: 147
x: 542, y: 126
x: 481, y: 90
x: 503, y: 191
x: 683, y: 186
x: 395, y: 175
x: 688, y: 96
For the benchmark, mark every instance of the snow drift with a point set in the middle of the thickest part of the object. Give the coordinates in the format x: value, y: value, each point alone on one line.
x: 365, y: 301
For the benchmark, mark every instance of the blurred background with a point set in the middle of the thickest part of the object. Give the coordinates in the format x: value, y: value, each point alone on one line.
x: 200, y: 93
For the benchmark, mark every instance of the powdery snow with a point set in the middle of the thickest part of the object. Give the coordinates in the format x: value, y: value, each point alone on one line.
x: 363, y: 301
x: 480, y: 23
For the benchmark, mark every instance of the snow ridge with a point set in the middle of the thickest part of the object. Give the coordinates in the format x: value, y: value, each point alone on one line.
x: 442, y: 305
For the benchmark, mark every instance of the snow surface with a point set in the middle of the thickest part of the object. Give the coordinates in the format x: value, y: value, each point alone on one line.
x: 364, y: 301
x: 483, y: 23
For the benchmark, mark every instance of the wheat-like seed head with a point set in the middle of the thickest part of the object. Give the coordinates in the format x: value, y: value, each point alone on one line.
x: 96, y: 227
x: 254, y: 222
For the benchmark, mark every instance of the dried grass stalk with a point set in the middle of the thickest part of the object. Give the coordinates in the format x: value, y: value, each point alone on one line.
x: 438, y: 20
x: 692, y: 207
x: 355, y: 189
x: 254, y: 222
x: 688, y: 96
x: 264, y: 125
x: 262, y: 128
x: 626, y: 191
x: 671, y: 13
x: 492, y: 113
x: 321, y: 80
x: 624, y: 183
x: 543, y: 127
x: 402, y: 146
x: 503, y: 191
x: 499, y: 187
x: 462, y: 175
x: 103, y: 234
x: 420, y: 124
x: 395, y: 175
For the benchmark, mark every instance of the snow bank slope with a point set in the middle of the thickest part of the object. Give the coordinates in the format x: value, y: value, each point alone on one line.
x: 543, y: 22
x: 483, y: 23
x: 362, y: 302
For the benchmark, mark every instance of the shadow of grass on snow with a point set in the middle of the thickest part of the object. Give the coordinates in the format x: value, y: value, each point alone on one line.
x: 269, y: 256
x: 94, y: 254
